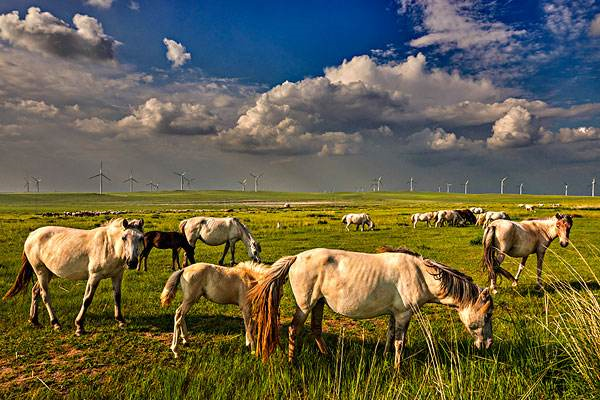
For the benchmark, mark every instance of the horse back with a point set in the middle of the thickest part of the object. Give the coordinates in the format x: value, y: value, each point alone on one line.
x: 218, y: 284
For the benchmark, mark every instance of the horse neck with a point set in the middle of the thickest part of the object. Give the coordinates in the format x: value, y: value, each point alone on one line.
x: 112, y: 234
x: 246, y: 236
x: 548, y: 228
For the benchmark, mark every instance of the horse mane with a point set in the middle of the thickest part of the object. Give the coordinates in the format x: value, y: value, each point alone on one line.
x: 403, y: 250
x: 113, y: 221
x: 253, y: 268
x: 453, y: 282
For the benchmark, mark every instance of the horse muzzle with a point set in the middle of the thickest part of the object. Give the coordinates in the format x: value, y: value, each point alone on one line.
x: 132, y: 264
x: 564, y: 244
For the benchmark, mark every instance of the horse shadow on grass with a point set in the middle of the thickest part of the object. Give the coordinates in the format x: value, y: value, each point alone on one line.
x: 534, y: 291
x: 197, y: 323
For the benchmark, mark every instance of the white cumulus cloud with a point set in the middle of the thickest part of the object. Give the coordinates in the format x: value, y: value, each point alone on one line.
x: 176, y: 53
x: 103, y: 4
x: 516, y: 129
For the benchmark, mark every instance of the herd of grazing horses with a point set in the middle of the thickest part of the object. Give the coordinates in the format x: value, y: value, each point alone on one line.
x: 394, y: 281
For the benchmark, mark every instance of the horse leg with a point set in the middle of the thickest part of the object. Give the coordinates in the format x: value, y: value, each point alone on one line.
x: 401, y: 327
x: 347, y: 226
x: 43, y: 282
x: 540, y: 262
x: 174, y: 256
x: 293, y: 331
x: 177, y: 327
x: 248, y: 326
x: 224, y: 253
x: 33, y: 310
x: 90, y: 289
x: 144, y: 256
x: 521, y: 266
x: 390, y: 334
x: 316, y: 326
x: 232, y: 254
x: 116, y: 284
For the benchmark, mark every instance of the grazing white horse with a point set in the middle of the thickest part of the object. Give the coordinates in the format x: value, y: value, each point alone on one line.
x: 216, y: 231
x: 217, y: 284
x: 529, y: 207
x: 477, y: 210
x: 521, y: 239
x: 449, y: 217
x: 396, y: 282
x: 78, y: 254
x: 491, y: 216
x: 422, y: 217
x: 360, y: 220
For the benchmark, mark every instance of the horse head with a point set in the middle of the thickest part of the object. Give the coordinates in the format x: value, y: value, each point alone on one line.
x: 477, y: 318
x: 254, y: 251
x: 133, y: 243
x: 563, y: 228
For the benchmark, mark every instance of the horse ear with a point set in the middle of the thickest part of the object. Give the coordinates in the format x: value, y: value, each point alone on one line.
x: 141, y: 222
x: 125, y: 224
x: 558, y: 216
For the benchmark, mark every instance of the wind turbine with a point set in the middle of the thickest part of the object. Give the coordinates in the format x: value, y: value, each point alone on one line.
x: 181, y: 176
x: 131, y: 180
x: 411, y: 182
x: 243, y: 183
x: 37, y: 183
x: 502, y: 184
x: 593, y: 187
x: 521, y: 188
x: 377, y: 182
x: 101, y: 176
x: 466, y: 185
x: 439, y: 189
x: 152, y: 185
x: 448, y: 186
x: 256, y: 178
x: 189, y: 182
x: 26, y: 186
x: 566, y: 189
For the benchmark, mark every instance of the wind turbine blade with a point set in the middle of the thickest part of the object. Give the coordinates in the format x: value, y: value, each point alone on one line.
x: 106, y: 177
x: 95, y: 176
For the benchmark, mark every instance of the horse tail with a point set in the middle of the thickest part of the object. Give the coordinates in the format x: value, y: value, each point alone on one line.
x: 488, y: 261
x: 344, y: 219
x: 182, y: 226
x: 170, y: 289
x: 264, y: 299
x: 23, y: 278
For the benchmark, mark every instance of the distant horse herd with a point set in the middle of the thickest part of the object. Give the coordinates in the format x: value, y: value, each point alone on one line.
x: 394, y: 281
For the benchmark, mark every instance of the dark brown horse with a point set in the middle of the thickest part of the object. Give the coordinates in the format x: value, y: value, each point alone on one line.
x: 167, y: 240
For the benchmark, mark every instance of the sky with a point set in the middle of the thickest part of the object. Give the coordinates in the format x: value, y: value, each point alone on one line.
x: 317, y: 96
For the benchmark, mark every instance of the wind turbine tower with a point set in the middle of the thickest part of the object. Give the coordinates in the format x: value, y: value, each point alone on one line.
x: 101, y: 176
x: 466, y: 184
x: 37, y: 183
x: 593, y: 187
x: 181, y: 176
x: 502, y: 184
x: 131, y: 180
x: 566, y: 189
x: 26, y: 186
x: 378, y: 183
x: 189, y: 181
x: 521, y: 188
x: 256, y: 178
x: 411, y: 182
x: 448, y: 186
x: 243, y: 183
x: 152, y: 185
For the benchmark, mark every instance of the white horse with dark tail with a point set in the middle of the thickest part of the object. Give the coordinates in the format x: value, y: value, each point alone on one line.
x: 396, y: 282
x: 78, y: 254
x: 427, y: 217
x: 521, y: 239
x: 218, y: 231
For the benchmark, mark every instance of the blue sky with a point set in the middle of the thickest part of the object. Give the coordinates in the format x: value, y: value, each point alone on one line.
x: 392, y: 88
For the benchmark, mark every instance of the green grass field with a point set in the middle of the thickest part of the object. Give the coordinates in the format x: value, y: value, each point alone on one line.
x: 546, y: 343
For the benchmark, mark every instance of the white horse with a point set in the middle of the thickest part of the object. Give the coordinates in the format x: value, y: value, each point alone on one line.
x: 216, y: 231
x: 78, y: 254
x: 422, y: 217
x: 360, y: 285
x: 521, y: 239
x: 491, y: 216
x: 360, y: 220
x: 449, y: 217
x: 217, y: 284
x: 477, y: 210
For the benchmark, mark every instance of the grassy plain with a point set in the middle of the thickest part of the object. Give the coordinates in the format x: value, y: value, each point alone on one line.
x: 531, y: 356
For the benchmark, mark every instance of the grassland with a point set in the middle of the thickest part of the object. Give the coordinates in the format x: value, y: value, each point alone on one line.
x: 532, y: 357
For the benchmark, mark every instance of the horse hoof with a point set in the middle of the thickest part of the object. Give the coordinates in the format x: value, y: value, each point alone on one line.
x: 79, y: 332
x: 35, y: 323
x: 515, y: 283
x: 494, y: 291
x: 56, y: 326
x: 121, y: 324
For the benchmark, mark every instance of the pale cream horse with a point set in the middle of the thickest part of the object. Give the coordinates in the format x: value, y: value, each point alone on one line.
x: 218, y: 231
x: 220, y: 285
x: 422, y: 217
x: 360, y: 220
x: 521, y: 239
x: 396, y: 282
x: 78, y: 254
x: 491, y: 216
